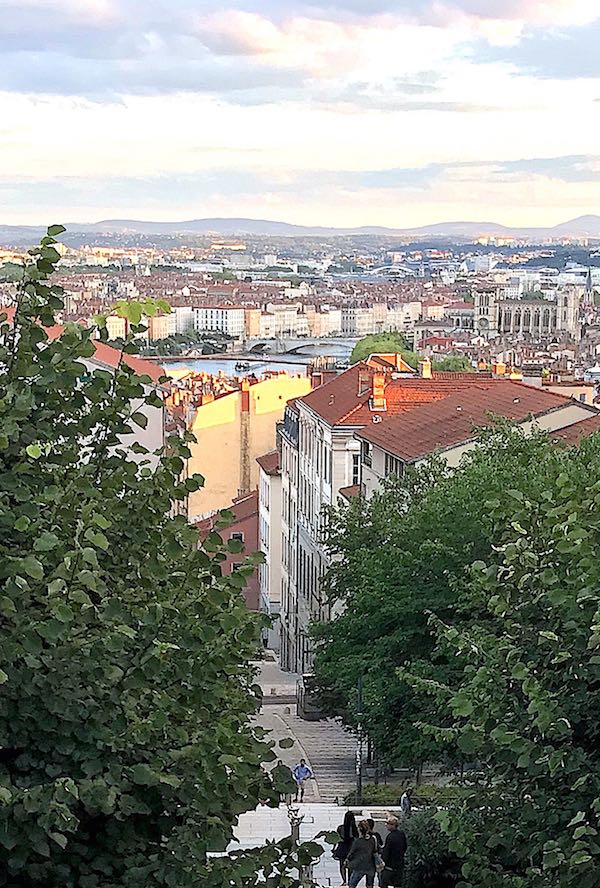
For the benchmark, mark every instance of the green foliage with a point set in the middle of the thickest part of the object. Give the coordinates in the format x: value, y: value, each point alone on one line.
x: 453, y: 364
x: 424, y: 794
x: 126, y: 750
x: 398, y: 556
x: 395, y: 343
x: 429, y: 861
x: 526, y: 707
x: 11, y: 272
x: 385, y: 343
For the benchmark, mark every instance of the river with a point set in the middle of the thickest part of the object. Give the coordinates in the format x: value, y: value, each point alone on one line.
x: 258, y: 366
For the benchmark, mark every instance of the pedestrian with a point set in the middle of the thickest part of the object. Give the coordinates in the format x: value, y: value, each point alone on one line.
x: 347, y: 831
x: 394, y: 851
x: 376, y: 835
x: 379, y: 846
x: 361, y: 859
x: 301, y: 773
x: 406, y: 802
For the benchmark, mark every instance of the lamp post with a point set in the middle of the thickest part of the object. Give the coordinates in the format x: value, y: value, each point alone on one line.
x: 359, y: 744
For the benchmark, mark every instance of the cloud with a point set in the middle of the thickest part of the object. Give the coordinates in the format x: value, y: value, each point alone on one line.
x: 563, y: 54
x: 527, y: 191
x: 100, y: 48
x: 148, y: 191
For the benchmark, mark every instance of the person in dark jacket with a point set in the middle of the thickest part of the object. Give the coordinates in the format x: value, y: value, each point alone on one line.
x: 347, y: 831
x: 394, y: 851
x: 361, y: 860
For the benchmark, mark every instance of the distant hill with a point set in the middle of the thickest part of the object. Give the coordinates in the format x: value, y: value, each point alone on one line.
x: 584, y: 226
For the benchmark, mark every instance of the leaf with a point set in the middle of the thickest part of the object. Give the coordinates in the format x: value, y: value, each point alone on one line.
x: 3, y: 676
x: 235, y: 546
x: 59, y: 839
x: 32, y: 567
x: 54, y: 230
x: 33, y: 450
x: 140, y: 419
x: 101, y: 521
x: 143, y: 775
x: 45, y: 542
x: 97, y: 538
x: 579, y: 858
x: 22, y: 523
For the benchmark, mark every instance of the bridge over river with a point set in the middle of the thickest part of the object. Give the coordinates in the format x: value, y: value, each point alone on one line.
x: 337, y: 347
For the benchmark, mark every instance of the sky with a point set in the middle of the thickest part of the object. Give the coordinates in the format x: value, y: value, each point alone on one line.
x: 325, y: 112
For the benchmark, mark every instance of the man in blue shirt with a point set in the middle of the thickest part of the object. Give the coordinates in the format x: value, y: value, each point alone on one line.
x: 301, y: 773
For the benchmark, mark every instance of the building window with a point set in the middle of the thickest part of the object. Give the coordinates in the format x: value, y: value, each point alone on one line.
x: 367, y: 453
x: 355, y: 469
x: 393, y: 466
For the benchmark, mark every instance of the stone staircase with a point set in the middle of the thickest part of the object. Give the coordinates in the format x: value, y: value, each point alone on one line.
x: 331, y: 752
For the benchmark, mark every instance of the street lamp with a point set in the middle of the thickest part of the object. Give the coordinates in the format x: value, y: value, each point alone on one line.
x: 359, y: 744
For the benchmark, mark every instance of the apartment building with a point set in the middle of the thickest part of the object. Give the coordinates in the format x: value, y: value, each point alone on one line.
x: 226, y: 319
x: 448, y: 426
x: 270, y: 540
x: 342, y: 438
x: 288, y: 440
x: 232, y: 429
x: 357, y: 320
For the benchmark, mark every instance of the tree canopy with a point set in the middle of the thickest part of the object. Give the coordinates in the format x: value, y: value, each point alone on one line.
x: 397, y: 557
x: 471, y: 608
x: 126, y: 748
x: 395, y: 343
x: 526, y: 706
x: 384, y: 343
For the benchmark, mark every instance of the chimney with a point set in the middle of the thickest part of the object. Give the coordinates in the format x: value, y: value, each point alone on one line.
x: 425, y: 368
x: 378, y: 392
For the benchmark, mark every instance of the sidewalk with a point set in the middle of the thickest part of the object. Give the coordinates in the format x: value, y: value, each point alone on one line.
x: 264, y: 824
x: 328, y: 749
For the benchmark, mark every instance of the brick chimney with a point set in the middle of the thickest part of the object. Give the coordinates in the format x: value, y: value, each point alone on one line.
x: 378, y: 401
x: 425, y: 368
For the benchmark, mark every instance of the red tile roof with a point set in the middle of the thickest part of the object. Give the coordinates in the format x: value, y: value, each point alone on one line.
x: 111, y: 357
x: 350, y: 492
x: 573, y: 434
x: 105, y: 353
x: 243, y: 507
x: 269, y: 463
x: 452, y: 420
x: 338, y: 401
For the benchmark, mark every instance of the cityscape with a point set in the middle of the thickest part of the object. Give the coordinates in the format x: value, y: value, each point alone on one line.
x: 299, y: 445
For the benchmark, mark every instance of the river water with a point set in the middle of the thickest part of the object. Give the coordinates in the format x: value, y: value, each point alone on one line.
x: 257, y: 366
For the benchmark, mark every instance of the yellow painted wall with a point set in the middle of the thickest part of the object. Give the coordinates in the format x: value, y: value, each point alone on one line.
x: 217, y: 427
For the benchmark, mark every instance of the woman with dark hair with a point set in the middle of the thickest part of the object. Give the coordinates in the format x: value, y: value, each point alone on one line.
x: 347, y: 831
x: 361, y: 860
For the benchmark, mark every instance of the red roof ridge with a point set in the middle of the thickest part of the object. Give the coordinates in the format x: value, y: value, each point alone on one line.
x: 269, y: 463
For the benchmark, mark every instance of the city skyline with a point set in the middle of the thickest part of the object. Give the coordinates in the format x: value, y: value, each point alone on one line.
x: 337, y: 112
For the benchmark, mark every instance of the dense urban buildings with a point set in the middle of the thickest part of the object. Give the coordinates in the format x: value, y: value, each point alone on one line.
x: 279, y: 444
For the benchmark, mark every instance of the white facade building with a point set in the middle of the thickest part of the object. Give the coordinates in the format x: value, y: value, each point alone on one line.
x: 184, y: 318
x: 222, y: 319
x: 270, y: 540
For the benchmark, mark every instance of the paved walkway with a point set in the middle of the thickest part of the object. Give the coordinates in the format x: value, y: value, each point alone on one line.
x: 264, y: 824
x: 327, y: 747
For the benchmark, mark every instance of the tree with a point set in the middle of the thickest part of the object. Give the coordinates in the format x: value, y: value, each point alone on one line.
x: 126, y: 751
x: 527, y: 706
x: 384, y: 343
x: 399, y: 556
x: 453, y: 364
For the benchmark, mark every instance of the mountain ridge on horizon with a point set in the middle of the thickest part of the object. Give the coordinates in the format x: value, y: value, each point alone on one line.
x: 582, y: 226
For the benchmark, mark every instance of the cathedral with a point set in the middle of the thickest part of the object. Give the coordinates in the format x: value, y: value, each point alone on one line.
x: 532, y: 319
